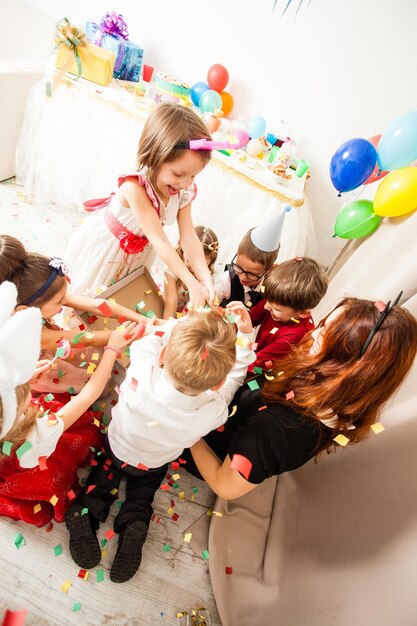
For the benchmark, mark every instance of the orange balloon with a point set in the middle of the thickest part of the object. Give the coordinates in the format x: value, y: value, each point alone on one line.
x: 227, y: 102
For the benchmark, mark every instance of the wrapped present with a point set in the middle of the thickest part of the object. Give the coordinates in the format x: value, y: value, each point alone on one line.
x: 77, y: 56
x: 111, y: 34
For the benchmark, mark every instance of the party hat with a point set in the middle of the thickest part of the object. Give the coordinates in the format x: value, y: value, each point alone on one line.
x: 267, y: 236
x: 20, y: 344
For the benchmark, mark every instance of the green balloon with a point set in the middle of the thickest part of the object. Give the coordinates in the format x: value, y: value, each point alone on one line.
x: 356, y: 220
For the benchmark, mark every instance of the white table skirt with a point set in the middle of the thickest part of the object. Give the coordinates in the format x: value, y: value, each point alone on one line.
x: 74, y: 147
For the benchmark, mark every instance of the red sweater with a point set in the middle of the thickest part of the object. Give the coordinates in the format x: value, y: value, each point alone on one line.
x: 272, y: 346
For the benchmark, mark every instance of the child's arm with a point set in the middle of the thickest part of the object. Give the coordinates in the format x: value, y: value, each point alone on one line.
x: 194, y: 251
x: 119, y: 339
x: 50, y: 337
x: 148, y: 220
x: 280, y: 346
x: 92, y: 305
x: 170, y: 296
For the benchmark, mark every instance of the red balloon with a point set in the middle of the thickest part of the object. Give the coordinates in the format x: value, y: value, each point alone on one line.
x: 376, y: 174
x: 217, y: 77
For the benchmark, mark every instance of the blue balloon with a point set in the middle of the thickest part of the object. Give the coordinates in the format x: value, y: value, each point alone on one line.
x: 398, y: 144
x: 352, y: 164
x: 197, y: 91
x: 256, y: 127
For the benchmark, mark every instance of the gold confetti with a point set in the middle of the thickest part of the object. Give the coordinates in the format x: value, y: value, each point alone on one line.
x: 187, y: 537
x: 114, y: 491
x: 273, y: 331
x: 53, y: 500
x: 242, y: 342
x: 262, y: 289
x: 181, y: 495
x: 66, y: 585
x: 96, y: 422
x: 37, y: 508
x: 148, y: 291
x: 170, y: 511
x: 293, y: 319
x: 341, y: 440
x: 377, y: 428
x: 268, y: 377
x: 103, y: 556
x: 95, y: 356
x: 91, y: 368
x: 176, y: 476
x: 217, y: 514
x: 233, y: 411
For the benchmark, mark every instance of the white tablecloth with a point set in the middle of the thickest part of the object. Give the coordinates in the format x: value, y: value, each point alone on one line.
x: 74, y: 146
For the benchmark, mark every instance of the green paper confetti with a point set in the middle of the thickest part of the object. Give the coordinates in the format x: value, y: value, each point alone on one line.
x: 76, y: 607
x: 77, y: 338
x: 253, y: 385
x: 71, y: 390
x: 175, y: 485
x: 120, y: 504
x: 83, y: 364
x: 100, y: 575
x: 257, y: 370
x: 231, y: 318
x: 7, y: 447
x: 58, y: 550
x: 167, y: 547
x: 103, y: 542
x: 205, y: 555
x: 194, y: 489
x: 106, y: 419
x: 84, y: 511
x: 19, y: 541
x: 60, y: 373
x: 60, y: 352
x: 23, y: 448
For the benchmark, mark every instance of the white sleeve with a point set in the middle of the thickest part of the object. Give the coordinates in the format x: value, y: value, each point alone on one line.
x: 43, y: 437
x: 222, y: 286
x: 244, y: 357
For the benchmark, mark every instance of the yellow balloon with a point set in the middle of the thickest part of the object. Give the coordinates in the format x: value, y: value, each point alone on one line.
x: 397, y: 193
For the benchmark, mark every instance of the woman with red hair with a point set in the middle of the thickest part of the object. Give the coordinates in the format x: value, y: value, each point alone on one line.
x: 326, y: 392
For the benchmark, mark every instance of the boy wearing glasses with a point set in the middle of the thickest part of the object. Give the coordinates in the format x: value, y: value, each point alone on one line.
x: 292, y: 289
x: 256, y: 254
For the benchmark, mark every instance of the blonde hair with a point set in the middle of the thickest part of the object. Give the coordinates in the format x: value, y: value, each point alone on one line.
x: 21, y: 427
x: 249, y: 250
x: 168, y: 125
x: 210, y: 245
x: 200, y: 352
x: 298, y: 283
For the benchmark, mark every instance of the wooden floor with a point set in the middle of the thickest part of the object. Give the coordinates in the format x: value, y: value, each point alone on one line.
x: 168, y: 582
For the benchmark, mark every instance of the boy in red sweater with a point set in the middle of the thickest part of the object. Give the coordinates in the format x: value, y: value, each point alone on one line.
x: 291, y: 290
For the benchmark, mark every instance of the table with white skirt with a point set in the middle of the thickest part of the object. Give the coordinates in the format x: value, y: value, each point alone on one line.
x: 74, y: 146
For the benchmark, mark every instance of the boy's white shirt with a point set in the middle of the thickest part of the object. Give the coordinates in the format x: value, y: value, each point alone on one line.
x: 153, y: 422
x: 44, y: 437
x: 222, y: 287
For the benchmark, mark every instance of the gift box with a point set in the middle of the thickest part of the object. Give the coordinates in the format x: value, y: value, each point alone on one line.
x: 96, y: 64
x: 111, y: 34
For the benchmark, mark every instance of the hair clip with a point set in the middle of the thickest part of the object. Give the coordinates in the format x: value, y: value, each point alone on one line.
x: 58, y: 264
x: 383, y: 314
x: 206, y: 144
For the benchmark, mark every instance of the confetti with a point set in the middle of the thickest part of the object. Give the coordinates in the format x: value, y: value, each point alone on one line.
x: 95, y: 356
x: 290, y: 395
x: 204, y: 355
x: 133, y: 384
x: 91, y: 368
x: 100, y: 575
x: 84, y: 511
x: 53, y: 500
x: 341, y: 440
x: 76, y: 607
x: 257, y: 370
x: 58, y: 550
x: 293, y: 319
x: 273, y: 331
x: 377, y: 428
x: 19, y: 541
x: 166, y: 547
x: 262, y: 408
x: 181, y: 495
x: 268, y: 365
x: 37, y: 508
x: 241, y: 464
x: 194, y: 489
x: 242, y: 342
x: 109, y: 534
x: 380, y: 305
x: 114, y: 491
x: 253, y: 385
x: 298, y: 258
x: 187, y: 537
x: 268, y: 377
x: 23, y: 448
x: 164, y: 487
x: 140, y: 305
x: 143, y: 467
x: 90, y: 488
x: 83, y: 574
x: 176, y: 477
x: 14, y: 618
x: 105, y: 309
x: 205, y: 555
x: 150, y: 424
x: 7, y: 447
x: 66, y: 585
x: 229, y: 570
x: 148, y: 291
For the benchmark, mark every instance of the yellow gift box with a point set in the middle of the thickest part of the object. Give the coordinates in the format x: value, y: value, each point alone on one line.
x: 97, y: 64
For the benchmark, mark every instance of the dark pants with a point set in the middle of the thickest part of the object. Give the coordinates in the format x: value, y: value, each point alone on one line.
x: 141, y: 486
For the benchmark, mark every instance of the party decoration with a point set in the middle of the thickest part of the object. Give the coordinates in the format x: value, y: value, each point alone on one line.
x: 397, y: 193
x: 210, y: 101
x: 217, y: 77
x: 377, y: 174
x: 241, y: 135
x: 254, y: 147
x: 227, y: 102
x: 256, y: 127
x: 357, y: 219
x: 352, y: 164
x: 197, y: 91
x: 398, y: 144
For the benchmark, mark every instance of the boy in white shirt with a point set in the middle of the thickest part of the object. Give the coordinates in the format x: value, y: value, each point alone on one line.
x: 177, y: 389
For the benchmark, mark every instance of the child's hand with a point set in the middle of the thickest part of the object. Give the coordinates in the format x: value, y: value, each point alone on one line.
x: 243, y: 320
x: 123, y: 335
x: 199, y: 296
x: 42, y: 366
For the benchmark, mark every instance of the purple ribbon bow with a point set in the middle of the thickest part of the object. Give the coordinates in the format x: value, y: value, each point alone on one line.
x: 115, y: 25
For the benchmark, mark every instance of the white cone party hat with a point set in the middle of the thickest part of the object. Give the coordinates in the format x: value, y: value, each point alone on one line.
x: 267, y: 236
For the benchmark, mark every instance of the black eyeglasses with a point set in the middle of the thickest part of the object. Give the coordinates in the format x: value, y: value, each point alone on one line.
x: 249, y: 275
x: 381, y: 318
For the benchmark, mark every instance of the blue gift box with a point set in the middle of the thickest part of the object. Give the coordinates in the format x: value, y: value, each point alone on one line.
x: 129, y: 56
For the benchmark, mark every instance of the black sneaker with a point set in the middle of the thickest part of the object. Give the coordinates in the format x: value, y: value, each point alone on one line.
x: 83, y: 543
x: 129, y: 551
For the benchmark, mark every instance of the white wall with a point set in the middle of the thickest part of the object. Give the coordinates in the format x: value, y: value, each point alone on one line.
x: 339, y: 69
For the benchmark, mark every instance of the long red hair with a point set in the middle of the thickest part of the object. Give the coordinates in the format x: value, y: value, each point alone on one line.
x: 336, y: 382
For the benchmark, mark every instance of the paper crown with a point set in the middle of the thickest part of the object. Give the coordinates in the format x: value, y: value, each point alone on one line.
x: 20, y: 344
x: 268, y: 236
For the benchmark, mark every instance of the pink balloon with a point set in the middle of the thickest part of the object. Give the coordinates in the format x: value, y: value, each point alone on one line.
x: 376, y: 174
x: 242, y: 136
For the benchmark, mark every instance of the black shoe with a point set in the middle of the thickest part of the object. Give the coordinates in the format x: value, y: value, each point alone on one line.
x: 129, y: 551
x: 83, y: 544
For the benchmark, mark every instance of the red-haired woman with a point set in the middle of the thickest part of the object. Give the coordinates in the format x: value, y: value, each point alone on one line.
x: 333, y: 387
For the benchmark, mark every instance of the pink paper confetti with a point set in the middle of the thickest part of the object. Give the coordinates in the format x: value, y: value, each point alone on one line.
x: 290, y: 395
x: 380, y: 305
x: 241, y: 464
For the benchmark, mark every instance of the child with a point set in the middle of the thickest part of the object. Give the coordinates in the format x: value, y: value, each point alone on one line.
x: 42, y: 442
x: 118, y: 238
x: 42, y: 282
x: 292, y: 289
x: 176, y: 389
x: 176, y: 294
x: 256, y: 253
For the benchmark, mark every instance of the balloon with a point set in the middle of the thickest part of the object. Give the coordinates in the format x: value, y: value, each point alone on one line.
x: 377, y: 174
x: 397, y: 194
x: 352, y: 164
x: 254, y: 147
x: 356, y: 220
x: 210, y: 101
x: 197, y: 91
x: 256, y: 127
x: 398, y: 145
x: 242, y: 136
x: 217, y: 77
x: 227, y: 102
